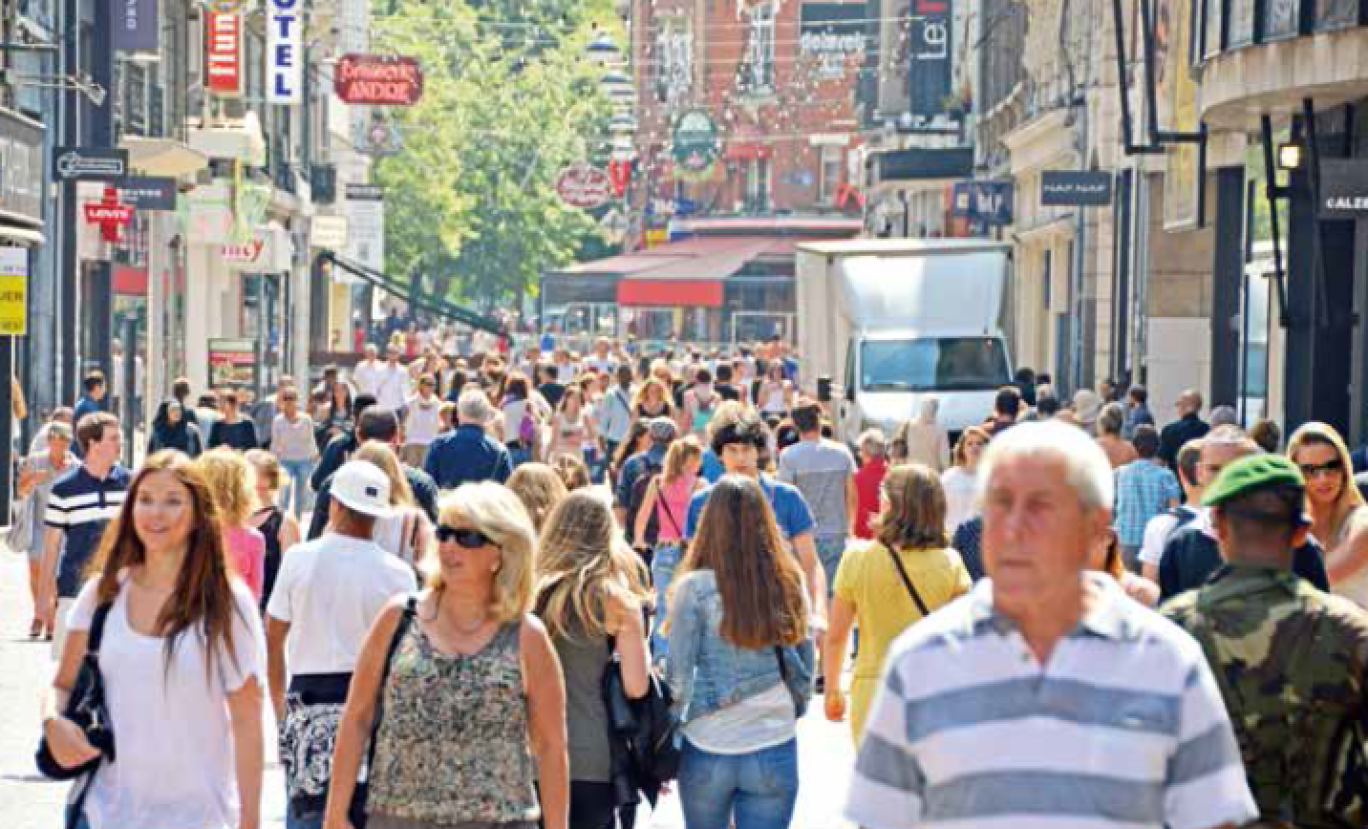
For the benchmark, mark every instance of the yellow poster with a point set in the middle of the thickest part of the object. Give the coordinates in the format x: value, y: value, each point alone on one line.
x: 1181, y: 181
x: 13, y: 292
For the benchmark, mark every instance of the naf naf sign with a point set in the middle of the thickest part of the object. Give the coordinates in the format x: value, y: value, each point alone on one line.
x: 284, y: 44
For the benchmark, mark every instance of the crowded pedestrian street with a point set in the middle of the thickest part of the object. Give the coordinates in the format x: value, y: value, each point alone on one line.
x: 658, y: 414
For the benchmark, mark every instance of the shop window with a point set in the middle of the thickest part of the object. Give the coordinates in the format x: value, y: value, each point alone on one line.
x: 829, y: 180
x: 759, y: 175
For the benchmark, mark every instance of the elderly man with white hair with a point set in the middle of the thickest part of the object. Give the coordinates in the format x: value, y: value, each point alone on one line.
x: 468, y: 454
x: 1046, y: 697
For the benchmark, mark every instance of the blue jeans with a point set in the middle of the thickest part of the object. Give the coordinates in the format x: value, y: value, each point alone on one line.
x: 519, y: 455
x: 310, y: 821
x: 663, y: 563
x: 295, y: 495
x: 829, y: 552
x: 757, y: 790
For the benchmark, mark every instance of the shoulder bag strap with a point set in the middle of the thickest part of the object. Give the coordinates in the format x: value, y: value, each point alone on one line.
x: 665, y: 505
x: 97, y: 625
x: 907, y: 582
x: 405, y: 620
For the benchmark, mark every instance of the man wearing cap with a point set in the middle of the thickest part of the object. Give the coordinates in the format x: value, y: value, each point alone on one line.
x: 662, y: 431
x: 467, y: 454
x: 1290, y: 660
x: 328, y: 593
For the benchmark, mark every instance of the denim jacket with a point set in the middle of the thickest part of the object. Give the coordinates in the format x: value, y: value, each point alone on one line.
x: 707, y: 673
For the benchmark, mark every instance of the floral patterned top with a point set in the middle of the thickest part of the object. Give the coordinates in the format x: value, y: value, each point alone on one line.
x: 452, y: 746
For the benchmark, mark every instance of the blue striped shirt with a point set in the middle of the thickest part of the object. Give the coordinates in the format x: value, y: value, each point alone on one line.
x: 1143, y: 490
x: 81, y: 505
x: 1122, y: 727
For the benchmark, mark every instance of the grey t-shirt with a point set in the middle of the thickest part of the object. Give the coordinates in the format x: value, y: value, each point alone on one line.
x: 820, y: 470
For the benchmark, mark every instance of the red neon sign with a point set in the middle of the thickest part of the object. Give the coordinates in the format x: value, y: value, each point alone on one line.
x: 223, y: 53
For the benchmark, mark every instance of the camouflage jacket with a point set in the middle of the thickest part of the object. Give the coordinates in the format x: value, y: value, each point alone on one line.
x: 1290, y: 661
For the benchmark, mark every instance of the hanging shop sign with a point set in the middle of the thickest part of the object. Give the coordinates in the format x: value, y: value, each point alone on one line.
x: 232, y: 363
x: 988, y: 202
x: 365, y: 211
x: 928, y: 56
x: 13, y: 292
x: 1343, y: 188
x: 284, y: 52
x: 136, y: 28
x: 584, y: 186
x: 89, y: 164
x: 830, y: 34
x: 148, y: 192
x: 696, y: 145
x: 21, y: 168
x: 109, y: 213
x: 620, y: 175
x: 380, y: 80
x: 1072, y: 188
x: 328, y: 232
x: 223, y: 54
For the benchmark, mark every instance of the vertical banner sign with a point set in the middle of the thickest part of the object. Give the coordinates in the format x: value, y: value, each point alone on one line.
x: 135, y: 26
x: 13, y: 292
x: 284, y: 45
x: 223, y: 53
x: 928, y: 56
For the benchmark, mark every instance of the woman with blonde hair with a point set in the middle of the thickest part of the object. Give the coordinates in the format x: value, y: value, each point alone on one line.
x: 1339, y: 519
x: 591, y: 588
x: 278, y: 527
x: 232, y: 487
x: 573, y: 472
x: 654, y: 399
x: 665, y: 506
x: 1109, y: 425
x: 905, y: 573
x: 466, y: 685
x: 539, y: 488
x: 961, y: 480
x: 406, y: 532
x: 740, y: 663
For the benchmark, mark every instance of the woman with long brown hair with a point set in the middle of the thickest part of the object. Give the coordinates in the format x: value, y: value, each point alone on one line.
x: 182, y: 659
x: 740, y: 664
x: 591, y: 588
x: 540, y: 489
x: 889, y: 583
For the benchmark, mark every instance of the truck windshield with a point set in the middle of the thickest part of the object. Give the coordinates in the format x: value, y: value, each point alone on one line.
x: 934, y: 364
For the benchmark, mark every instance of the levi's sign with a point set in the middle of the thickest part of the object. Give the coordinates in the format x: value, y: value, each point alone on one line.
x: 383, y: 80
x: 1069, y: 188
x: 1343, y: 188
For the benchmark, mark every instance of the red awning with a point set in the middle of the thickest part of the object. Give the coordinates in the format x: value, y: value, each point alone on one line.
x: 671, y: 293
x: 129, y: 280
x: 747, y: 150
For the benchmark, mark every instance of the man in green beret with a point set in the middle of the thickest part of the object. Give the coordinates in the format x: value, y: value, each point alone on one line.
x: 1290, y: 660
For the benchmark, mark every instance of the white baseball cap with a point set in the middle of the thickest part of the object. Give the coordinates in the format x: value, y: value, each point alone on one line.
x: 364, y: 487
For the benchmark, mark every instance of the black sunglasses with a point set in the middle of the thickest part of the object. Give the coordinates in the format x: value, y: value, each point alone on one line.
x: 467, y: 538
x: 1310, y: 471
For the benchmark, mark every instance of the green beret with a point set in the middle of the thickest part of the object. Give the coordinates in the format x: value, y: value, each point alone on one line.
x: 1250, y: 473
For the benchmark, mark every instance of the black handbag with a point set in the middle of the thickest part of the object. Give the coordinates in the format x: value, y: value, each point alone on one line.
x: 85, y: 706
x: 356, y: 809
x: 642, y: 734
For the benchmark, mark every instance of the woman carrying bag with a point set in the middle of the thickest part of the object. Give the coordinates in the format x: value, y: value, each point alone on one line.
x: 591, y: 590
x: 740, y: 663
x: 182, y: 660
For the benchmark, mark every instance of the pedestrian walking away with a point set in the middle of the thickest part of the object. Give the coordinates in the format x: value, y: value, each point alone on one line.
x: 37, y: 475
x: 294, y: 445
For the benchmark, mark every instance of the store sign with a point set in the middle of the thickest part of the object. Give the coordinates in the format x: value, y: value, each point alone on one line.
x: 696, y: 145
x: 232, y: 363
x: 1068, y: 188
x: 109, y: 213
x: 284, y: 52
x: 1343, y: 188
x: 365, y: 211
x: 988, y: 202
x: 830, y: 34
x: 136, y: 27
x: 328, y: 232
x: 928, y: 56
x: 584, y: 186
x: 381, y: 80
x: 223, y: 53
x: 244, y: 253
x: 21, y: 168
x: 13, y: 292
x: 148, y: 192
x: 88, y: 164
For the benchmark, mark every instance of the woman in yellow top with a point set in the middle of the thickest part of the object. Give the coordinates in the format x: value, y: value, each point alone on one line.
x: 909, y: 534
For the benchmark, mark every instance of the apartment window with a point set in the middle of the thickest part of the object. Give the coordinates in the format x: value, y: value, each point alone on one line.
x: 757, y: 70
x: 831, y: 172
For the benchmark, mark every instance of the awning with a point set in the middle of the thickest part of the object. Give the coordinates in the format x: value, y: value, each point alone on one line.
x: 234, y: 140
x: 670, y: 292
x: 21, y: 235
x: 129, y: 281
x: 748, y: 150
x: 163, y: 157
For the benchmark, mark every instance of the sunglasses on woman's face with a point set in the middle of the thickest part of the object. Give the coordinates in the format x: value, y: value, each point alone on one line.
x: 463, y: 537
x: 1310, y: 471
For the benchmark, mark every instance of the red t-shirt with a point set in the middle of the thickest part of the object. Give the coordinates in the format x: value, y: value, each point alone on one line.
x: 867, y: 482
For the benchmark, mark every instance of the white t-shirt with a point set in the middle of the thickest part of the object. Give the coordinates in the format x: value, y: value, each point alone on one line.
x: 330, y: 590
x: 175, y: 748
x: 1162, y: 526
x: 423, y: 421
x: 366, y: 377
x: 393, y: 386
x: 959, y: 487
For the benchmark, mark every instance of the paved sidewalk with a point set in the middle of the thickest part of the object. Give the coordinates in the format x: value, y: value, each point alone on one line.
x: 27, y: 801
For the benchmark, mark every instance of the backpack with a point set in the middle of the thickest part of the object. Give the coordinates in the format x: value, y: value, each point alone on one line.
x: 1184, y: 515
x: 637, y: 496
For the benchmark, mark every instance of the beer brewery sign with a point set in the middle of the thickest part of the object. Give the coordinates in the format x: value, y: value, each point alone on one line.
x: 379, y: 80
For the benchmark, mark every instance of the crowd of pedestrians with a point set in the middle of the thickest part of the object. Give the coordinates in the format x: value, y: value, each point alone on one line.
x: 454, y: 579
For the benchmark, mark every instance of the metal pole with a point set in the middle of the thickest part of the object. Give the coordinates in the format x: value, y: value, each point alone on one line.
x: 130, y: 383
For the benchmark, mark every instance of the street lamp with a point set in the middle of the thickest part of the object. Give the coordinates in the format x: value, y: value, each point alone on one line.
x: 1290, y: 154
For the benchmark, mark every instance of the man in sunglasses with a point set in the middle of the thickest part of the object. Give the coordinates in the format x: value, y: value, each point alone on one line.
x: 328, y: 593
x: 1289, y: 660
x: 1192, y: 554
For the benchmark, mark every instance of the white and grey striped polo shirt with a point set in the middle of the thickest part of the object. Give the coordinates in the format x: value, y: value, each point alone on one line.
x: 1122, y: 727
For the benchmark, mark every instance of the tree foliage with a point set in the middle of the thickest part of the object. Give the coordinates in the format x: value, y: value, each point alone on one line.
x: 471, y: 197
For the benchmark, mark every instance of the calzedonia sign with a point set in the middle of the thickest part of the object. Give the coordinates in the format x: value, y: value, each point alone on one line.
x: 379, y: 80
x: 1343, y: 188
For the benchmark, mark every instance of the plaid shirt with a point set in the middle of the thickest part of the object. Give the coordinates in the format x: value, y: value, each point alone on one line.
x: 1143, y: 490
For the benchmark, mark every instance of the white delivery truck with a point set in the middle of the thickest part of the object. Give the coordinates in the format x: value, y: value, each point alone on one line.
x: 893, y: 321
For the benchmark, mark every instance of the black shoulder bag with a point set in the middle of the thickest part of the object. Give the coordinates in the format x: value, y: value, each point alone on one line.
x: 907, y: 582
x: 356, y: 810
x: 85, y: 706
x: 641, y: 734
